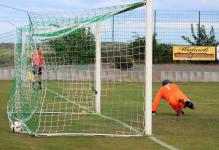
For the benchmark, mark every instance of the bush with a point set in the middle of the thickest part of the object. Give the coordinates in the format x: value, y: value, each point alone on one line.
x: 123, y: 62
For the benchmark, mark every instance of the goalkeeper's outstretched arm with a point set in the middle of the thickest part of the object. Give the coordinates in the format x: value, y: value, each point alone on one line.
x: 156, y: 102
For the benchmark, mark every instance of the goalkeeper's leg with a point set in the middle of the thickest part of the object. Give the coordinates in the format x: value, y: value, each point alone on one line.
x: 178, y: 108
x: 179, y: 112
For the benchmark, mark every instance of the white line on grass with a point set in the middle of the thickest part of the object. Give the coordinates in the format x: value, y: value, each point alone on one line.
x: 170, y: 147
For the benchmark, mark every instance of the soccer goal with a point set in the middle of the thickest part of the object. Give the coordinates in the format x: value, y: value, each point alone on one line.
x: 92, y: 73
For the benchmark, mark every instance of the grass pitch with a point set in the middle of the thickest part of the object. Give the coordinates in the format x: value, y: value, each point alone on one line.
x: 198, y: 129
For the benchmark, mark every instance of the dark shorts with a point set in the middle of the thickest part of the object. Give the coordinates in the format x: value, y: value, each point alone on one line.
x: 37, y: 70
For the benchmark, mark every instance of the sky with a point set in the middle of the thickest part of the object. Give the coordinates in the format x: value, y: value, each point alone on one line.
x: 10, y: 18
x: 42, y: 5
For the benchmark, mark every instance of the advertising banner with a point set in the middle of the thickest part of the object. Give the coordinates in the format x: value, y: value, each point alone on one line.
x: 218, y: 53
x: 200, y: 53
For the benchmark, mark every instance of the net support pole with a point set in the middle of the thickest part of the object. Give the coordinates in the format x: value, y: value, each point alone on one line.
x: 98, y: 68
x: 23, y: 37
x: 148, y: 68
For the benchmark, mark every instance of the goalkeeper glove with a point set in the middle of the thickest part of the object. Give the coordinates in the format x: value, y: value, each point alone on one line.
x: 189, y: 104
x: 153, y: 113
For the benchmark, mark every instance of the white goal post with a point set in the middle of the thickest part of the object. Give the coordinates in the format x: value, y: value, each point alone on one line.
x: 98, y: 67
x: 148, y: 69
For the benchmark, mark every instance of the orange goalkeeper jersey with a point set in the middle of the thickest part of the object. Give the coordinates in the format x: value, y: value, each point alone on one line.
x: 171, y: 93
x: 37, y: 59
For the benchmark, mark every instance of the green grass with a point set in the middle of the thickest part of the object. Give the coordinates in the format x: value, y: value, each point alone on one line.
x: 198, y: 129
x: 6, y: 57
x: 118, y: 106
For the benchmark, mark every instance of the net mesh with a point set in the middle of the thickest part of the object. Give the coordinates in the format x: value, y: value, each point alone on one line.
x: 57, y: 94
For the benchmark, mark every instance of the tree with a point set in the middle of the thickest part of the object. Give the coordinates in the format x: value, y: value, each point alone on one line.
x: 75, y: 47
x: 137, y: 48
x: 162, y: 53
x: 201, y: 38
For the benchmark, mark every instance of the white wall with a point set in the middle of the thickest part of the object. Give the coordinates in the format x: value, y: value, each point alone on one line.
x: 118, y: 75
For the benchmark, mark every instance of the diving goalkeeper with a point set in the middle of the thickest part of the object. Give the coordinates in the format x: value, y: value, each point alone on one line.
x: 174, y: 96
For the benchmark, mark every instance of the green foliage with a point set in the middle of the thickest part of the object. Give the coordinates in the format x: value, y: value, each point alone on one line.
x: 138, y: 48
x: 123, y: 62
x: 76, y: 47
x: 162, y: 53
x: 6, y: 56
x: 201, y: 38
x: 6, y: 46
x: 117, y: 54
